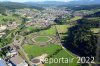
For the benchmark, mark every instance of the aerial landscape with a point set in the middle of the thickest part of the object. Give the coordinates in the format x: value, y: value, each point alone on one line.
x: 50, y: 33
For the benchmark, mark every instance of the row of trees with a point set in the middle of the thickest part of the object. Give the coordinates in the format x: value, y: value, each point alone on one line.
x: 63, y: 19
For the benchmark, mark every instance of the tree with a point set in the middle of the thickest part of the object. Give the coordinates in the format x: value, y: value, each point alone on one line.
x: 63, y: 19
x: 82, y: 40
x: 16, y: 15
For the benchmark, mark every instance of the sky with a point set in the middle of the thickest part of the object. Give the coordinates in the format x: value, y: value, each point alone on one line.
x: 34, y: 0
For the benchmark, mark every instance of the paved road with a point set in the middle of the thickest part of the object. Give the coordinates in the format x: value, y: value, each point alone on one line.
x: 18, y: 43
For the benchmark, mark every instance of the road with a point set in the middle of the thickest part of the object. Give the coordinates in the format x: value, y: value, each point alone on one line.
x: 18, y: 43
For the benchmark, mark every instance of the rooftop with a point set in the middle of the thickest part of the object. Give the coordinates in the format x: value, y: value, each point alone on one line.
x: 16, y: 60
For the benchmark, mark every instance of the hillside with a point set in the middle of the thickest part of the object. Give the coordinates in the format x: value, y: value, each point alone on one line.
x: 13, y: 5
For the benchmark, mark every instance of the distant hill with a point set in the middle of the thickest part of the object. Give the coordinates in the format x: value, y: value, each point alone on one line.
x: 13, y: 5
x: 97, y: 14
x: 73, y: 2
x: 83, y: 2
x: 82, y: 7
x: 46, y: 3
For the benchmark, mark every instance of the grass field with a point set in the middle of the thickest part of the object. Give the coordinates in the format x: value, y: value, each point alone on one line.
x: 50, y: 31
x: 66, y: 55
x: 62, y: 28
x: 35, y: 50
x: 42, y: 39
x: 29, y: 28
x: 75, y: 18
x: 95, y: 30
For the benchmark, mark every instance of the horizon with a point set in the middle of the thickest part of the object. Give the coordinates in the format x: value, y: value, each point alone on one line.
x: 34, y: 1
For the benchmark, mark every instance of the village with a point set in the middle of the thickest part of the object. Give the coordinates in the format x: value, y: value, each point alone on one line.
x: 30, y: 36
x: 35, y: 19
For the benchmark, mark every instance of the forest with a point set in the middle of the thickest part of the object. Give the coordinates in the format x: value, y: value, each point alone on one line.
x: 81, y: 40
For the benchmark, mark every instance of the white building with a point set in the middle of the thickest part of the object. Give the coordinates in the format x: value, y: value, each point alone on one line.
x: 11, y: 53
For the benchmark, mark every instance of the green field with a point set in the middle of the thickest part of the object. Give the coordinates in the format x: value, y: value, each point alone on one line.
x: 75, y: 18
x: 62, y: 28
x: 42, y: 39
x: 35, y: 50
x: 8, y: 18
x: 95, y: 30
x: 29, y: 28
x: 64, y: 54
x: 50, y: 31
